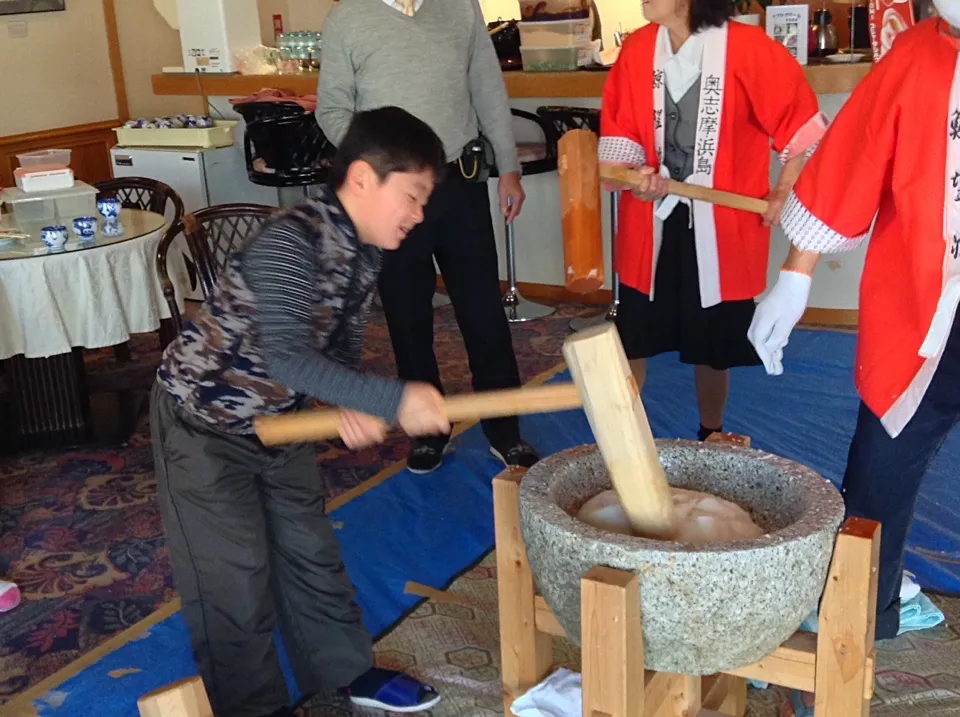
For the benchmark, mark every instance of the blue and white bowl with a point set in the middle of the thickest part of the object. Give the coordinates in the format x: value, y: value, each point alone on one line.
x: 54, y: 236
x: 85, y: 228
x: 112, y: 229
x: 109, y: 209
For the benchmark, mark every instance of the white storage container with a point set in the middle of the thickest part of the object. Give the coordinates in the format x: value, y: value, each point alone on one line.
x: 555, y: 59
x: 562, y: 33
x: 220, y: 135
x: 45, y: 158
x: 59, y: 207
x: 44, y: 179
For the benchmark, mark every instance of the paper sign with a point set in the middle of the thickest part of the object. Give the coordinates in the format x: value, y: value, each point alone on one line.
x: 789, y: 25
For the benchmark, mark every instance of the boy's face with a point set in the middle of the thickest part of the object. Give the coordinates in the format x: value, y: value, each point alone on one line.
x: 391, y: 208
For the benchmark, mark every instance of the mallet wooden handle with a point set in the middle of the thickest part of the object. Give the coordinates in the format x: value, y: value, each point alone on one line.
x: 624, y: 176
x: 324, y: 424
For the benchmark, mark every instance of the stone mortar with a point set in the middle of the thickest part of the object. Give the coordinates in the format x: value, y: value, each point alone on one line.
x: 706, y: 608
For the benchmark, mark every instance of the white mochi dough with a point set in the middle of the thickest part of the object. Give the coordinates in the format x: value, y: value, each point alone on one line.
x: 701, y: 517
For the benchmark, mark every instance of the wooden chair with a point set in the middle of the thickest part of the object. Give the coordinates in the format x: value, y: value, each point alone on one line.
x: 212, y: 235
x: 149, y: 195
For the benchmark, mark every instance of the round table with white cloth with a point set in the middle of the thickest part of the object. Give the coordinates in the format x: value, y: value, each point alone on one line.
x: 54, y: 304
x: 89, y: 295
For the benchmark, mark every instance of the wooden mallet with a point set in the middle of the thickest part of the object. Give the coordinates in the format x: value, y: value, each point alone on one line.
x: 625, y: 177
x: 602, y: 385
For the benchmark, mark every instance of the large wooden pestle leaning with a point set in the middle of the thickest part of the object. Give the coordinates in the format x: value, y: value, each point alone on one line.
x: 612, y: 403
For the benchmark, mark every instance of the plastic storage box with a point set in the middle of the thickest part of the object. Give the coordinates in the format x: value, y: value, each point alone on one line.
x: 45, y: 158
x: 538, y: 10
x: 554, y: 34
x: 220, y: 135
x: 554, y: 59
x: 61, y: 206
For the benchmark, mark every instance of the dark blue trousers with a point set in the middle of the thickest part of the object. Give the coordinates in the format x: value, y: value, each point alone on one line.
x: 884, y: 475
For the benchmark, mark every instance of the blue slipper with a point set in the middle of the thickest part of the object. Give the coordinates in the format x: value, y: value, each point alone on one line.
x: 392, y: 691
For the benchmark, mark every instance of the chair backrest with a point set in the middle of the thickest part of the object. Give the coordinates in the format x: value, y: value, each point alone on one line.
x: 212, y: 235
x: 547, y: 160
x: 287, y: 151
x: 149, y: 195
x: 564, y: 119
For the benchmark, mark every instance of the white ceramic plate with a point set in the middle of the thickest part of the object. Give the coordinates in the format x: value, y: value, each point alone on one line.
x: 846, y: 57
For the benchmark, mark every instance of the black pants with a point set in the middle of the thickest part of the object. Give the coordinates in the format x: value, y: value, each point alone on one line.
x: 457, y: 229
x: 250, y: 542
x: 884, y: 475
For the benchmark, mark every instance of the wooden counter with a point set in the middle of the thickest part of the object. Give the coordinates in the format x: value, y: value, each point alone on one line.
x: 825, y: 79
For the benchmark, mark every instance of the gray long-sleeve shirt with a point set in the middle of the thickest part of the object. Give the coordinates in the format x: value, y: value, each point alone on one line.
x: 285, y: 323
x: 439, y: 65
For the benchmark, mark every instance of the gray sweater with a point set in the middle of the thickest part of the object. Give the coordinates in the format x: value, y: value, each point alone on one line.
x: 439, y: 65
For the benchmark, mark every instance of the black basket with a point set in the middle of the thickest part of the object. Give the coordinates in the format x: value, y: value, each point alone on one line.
x: 565, y: 119
x: 255, y: 111
x: 289, y: 151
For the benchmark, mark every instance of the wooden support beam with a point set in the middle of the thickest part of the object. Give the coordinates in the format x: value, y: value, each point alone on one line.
x: 526, y: 654
x: 725, y: 694
x: 116, y: 59
x: 186, y: 698
x: 546, y: 621
x: 846, y: 623
x: 611, y: 644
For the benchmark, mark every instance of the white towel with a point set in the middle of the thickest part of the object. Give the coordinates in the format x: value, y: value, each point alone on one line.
x: 560, y: 695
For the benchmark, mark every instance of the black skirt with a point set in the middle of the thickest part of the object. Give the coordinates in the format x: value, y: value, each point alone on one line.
x: 675, y: 320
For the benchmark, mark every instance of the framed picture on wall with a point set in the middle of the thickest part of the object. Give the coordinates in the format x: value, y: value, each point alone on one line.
x: 18, y: 7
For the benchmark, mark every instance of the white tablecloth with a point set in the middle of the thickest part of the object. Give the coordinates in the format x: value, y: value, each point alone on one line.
x: 91, y: 298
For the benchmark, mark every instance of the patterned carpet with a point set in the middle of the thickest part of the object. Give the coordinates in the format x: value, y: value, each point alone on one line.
x: 81, y: 535
x: 456, y: 648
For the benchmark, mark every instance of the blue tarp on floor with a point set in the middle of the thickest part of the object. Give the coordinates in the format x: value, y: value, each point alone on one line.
x: 428, y: 529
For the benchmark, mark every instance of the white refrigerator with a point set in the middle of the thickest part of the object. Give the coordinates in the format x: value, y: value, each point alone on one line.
x: 202, y: 178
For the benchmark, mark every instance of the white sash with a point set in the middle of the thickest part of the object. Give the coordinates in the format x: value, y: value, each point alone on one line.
x: 712, y: 84
x: 942, y: 323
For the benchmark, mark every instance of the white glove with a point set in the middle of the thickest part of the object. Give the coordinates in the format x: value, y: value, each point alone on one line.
x: 775, y: 317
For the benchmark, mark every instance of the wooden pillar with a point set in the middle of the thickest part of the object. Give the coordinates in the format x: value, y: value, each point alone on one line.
x: 186, y: 698
x: 526, y: 655
x: 725, y: 694
x: 845, y: 637
x: 611, y: 644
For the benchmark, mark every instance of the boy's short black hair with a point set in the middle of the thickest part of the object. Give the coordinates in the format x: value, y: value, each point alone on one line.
x: 389, y: 139
x: 709, y: 13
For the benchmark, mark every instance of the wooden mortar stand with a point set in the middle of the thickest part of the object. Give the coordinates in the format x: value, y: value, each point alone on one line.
x: 837, y: 665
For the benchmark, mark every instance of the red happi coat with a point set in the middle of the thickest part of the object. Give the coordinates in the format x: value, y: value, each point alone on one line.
x: 766, y: 102
x: 893, y: 156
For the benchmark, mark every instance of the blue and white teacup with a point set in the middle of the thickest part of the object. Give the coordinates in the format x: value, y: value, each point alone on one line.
x: 109, y: 208
x: 54, y: 237
x: 112, y: 229
x: 85, y: 228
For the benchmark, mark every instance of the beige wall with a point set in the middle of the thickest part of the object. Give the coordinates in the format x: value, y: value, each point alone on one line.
x: 269, y: 8
x: 308, y: 14
x: 59, y: 75
x: 147, y: 45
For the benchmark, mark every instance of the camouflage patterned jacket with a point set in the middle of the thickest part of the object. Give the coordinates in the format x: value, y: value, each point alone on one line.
x: 285, y: 323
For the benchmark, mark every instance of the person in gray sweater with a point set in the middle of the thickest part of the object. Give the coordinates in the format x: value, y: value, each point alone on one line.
x: 435, y: 59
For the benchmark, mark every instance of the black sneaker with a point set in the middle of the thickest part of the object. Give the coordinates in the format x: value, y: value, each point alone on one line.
x: 427, y: 454
x: 519, y: 455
